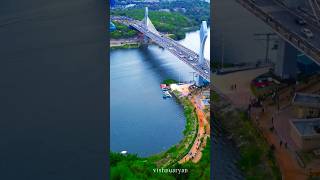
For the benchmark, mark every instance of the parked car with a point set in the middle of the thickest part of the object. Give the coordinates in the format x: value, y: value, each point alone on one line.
x: 261, y: 84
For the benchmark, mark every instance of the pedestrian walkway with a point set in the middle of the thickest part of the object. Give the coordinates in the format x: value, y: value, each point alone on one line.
x: 279, y: 138
x: 241, y: 95
x: 195, y: 153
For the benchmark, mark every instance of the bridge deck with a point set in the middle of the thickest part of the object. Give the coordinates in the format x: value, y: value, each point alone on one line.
x: 283, y: 21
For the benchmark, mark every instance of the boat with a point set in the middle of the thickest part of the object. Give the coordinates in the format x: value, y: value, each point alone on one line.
x: 167, y: 94
x: 163, y: 86
x: 165, y: 89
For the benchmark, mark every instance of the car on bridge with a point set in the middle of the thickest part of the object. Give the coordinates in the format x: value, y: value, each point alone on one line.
x: 307, y: 33
x: 300, y: 21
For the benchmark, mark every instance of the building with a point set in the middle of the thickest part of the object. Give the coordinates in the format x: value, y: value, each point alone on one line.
x: 306, y: 105
x: 306, y: 133
x: 206, y: 94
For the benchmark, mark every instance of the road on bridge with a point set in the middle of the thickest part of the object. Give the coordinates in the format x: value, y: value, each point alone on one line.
x: 283, y: 20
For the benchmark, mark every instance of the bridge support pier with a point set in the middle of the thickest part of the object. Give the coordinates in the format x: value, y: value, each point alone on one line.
x: 200, y: 81
x: 286, y: 63
x: 203, y: 37
x: 145, y: 20
x: 145, y: 39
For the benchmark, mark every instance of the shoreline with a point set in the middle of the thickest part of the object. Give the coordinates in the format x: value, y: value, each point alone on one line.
x: 184, y: 142
x: 240, y: 129
x: 230, y: 108
x: 124, y: 43
x: 177, y: 153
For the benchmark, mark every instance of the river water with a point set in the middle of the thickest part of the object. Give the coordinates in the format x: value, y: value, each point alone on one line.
x: 142, y: 122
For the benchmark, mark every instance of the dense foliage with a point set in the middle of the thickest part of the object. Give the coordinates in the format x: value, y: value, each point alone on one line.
x: 169, y: 81
x: 257, y: 159
x: 122, y: 31
x: 166, y: 22
x: 133, y: 167
x: 195, y: 10
x: 200, y: 170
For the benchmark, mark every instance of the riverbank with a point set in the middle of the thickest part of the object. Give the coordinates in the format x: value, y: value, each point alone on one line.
x: 124, y: 43
x: 178, y: 151
x: 169, y: 159
x: 203, y: 133
x: 196, y: 135
x: 257, y: 159
x: 132, y: 42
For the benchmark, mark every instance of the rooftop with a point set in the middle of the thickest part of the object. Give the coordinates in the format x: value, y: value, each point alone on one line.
x: 308, y: 100
x: 307, y: 127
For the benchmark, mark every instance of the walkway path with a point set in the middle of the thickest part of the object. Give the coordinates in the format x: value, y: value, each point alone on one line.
x: 195, y: 152
x: 286, y: 157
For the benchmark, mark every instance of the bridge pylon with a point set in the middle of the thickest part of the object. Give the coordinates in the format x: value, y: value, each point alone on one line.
x: 147, y: 22
x: 286, y: 64
x: 203, y: 38
x: 146, y: 16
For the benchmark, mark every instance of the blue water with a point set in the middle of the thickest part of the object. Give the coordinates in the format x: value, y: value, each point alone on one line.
x: 142, y: 122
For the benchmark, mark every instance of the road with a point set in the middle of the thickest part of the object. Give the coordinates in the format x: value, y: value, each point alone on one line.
x: 288, y: 18
x: 283, y: 22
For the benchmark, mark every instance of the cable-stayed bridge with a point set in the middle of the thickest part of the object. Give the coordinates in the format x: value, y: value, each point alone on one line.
x: 196, y: 61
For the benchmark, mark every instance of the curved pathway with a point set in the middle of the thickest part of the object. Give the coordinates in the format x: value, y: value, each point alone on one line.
x: 195, y: 152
